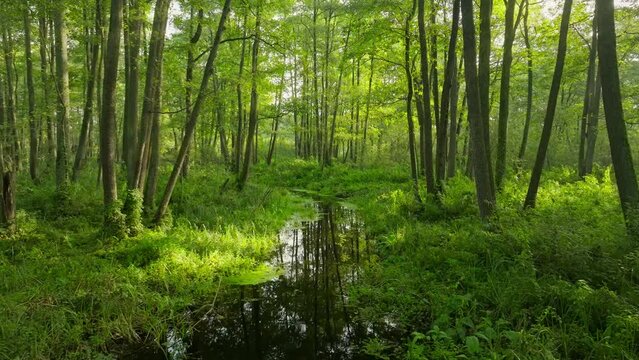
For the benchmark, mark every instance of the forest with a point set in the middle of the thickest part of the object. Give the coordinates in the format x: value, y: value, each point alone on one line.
x: 319, y: 179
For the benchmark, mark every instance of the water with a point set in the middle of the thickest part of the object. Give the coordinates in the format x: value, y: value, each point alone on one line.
x: 302, y: 314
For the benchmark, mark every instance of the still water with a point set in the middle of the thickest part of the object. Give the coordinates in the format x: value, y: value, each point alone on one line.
x: 302, y: 314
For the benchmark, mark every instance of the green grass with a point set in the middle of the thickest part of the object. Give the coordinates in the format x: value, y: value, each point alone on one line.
x: 68, y: 292
x: 559, y: 281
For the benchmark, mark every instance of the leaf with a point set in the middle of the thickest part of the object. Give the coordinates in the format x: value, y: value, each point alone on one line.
x: 472, y: 344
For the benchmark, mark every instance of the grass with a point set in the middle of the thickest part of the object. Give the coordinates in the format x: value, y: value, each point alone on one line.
x: 559, y: 281
x: 67, y: 292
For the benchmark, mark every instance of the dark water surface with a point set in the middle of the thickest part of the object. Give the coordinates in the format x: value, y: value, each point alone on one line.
x: 302, y: 314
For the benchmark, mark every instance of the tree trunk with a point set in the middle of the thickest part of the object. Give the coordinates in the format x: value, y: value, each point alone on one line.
x: 33, y: 129
x: 62, y: 77
x: 617, y: 135
x: 504, y: 92
x: 593, y: 125
x: 454, y: 125
x: 190, y: 63
x: 195, y: 112
x: 531, y: 196
x: 485, y: 42
x: 107, y: 117
x: 130, y: 126
x: 240, y: 110
x: 409, y: 100
x: 588, y: 98
x: 252, y: 130
x: 154, y: 158
x: 449, y: 86
x: 480, y: 156
x: 151, y: 93
x: 427, y: 131
x: 87, y: 116
x: 529, y: 99
x: 46, y: 112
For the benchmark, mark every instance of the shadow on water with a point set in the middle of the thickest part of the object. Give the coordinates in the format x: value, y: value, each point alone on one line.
x: 303, y: 314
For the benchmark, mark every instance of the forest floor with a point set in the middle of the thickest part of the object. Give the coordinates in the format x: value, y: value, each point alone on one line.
x: 559, y: 281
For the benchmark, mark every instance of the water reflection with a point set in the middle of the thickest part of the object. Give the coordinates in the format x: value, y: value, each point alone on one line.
x: 304, y: 314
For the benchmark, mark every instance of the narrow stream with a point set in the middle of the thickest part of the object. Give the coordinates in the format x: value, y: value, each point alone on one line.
x: 303, y: 314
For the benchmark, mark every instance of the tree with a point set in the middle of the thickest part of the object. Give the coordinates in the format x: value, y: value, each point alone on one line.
x: 504, y: 91
x: 427, y: 128
x: 63, y: 102
x: 535, y: 177
x: 189, y: 129
x: 107, y: 118
x: 481, y: 158
x: 250, y: 140
x: 87, y: 117
x: 619, y: 147
x: 33, y: 132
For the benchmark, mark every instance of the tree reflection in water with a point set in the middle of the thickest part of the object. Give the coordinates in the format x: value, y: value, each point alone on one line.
x: 304, y: 314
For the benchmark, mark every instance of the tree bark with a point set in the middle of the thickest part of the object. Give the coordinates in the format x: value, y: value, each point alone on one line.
x: 529, y: 98
x: 151, y: 93
x: 588, y: 98
x: 253, y: 109
x: 450, y: 78
x: 531, y: 196
x: 130, y: 126
x: 504, y: 92
x: 480, y: 156
x: 427, y: 131
x: 485, y: 43
x: 33, y: 129
x: 87, y: 116
x: 107, y: 118
x: 409, y: 99
x: 62, y: 77
x: 617, y: 134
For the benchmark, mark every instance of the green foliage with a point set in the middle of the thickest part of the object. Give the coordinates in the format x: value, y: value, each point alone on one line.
x: 132, y: 211
x: 115, y: 222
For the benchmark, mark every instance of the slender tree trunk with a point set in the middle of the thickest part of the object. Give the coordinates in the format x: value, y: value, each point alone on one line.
x: 328, y: 155
x: 368, y: 108
x: 531, y: 196
x: 504, y: 92
x: 252, y: 130
x: 130, y: 126
x: 588, y: 98
x: 427, y: 121
x: 10, y: 148
x: 63, y: 107
x: 617, y: 135
x: 593, y: 125
x: 190, y: 64
x: 44, y: 77
x: 87, y: 116
x: 454, y: 125
x: 152, y: 83
x: 107, y: 118
x: 485, y: 42
x: 529, y: 99
x: 195, y: 113
x: 447, y: 94
x: 154, y: 158
x: 33, y: 130
x: 240, y: 108
x: 409, y: 100
x: 480, y: 156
